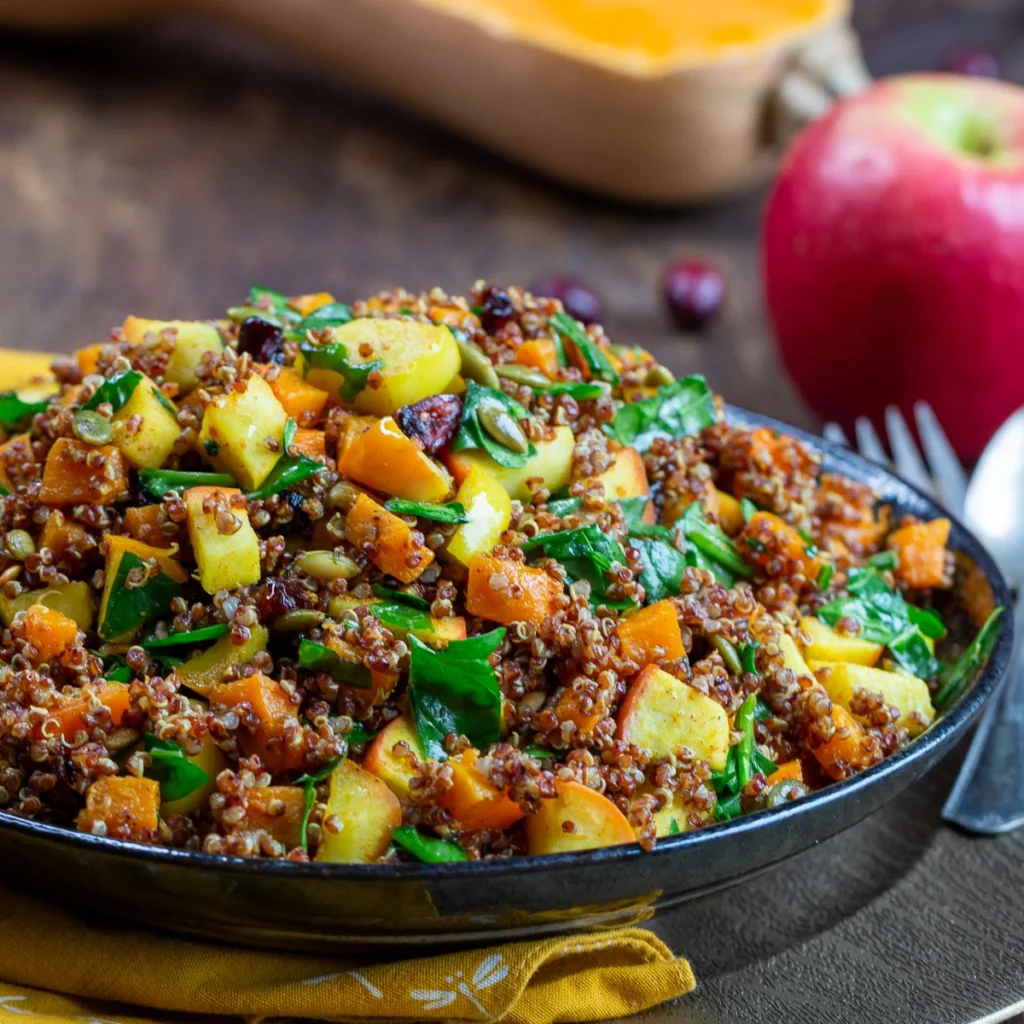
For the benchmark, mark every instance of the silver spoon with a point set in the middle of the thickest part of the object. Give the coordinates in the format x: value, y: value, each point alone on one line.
x: 989, y: 793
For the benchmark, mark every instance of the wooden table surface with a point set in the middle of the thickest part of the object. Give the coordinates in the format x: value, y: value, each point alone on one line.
x: 162, y: 171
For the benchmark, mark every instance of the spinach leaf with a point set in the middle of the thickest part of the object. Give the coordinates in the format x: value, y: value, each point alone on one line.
x: 536, y: 750
x: 117, y: 390
x: 732, y: 807
x: 954, y: 678
x: 663, y: 568
x: 596, y: 360
x: 177, y: 775
x: 115, y: 668
x: 157, y: 482
x: 743, y: 763
x: 320, y: 658
x: 673, y: 828
x: 911, y: 650
x: 744, y: 723
x: 289, y: 469
x: 748, y: 658
x: 334, y: 314
x: 633, y: 510
x: 927, y: 621
x: 129, y: 608
x: 563, y: 507
x: 684, y: 407
x: 712, y: 541
x: 429, y: 849
x: 453, y: 512
x: 401, y: 597
x: 359, y: 734
x: 698, y: 560
x: 748, y: 508
x: 334, y: 356
x: 455, y: 690
x: 471, y: 435
x: 585, y: 553
x: 580, y: 390
x: 825, y: 575
x: 194, y: 636
x: 16, y: 413
x: 400, y: 615
x: 762, y: 711
x: 266, y: 300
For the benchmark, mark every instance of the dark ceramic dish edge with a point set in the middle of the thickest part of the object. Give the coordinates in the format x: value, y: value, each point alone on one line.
x: 941, y: 734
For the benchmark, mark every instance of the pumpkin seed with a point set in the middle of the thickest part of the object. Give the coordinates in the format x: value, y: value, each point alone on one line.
x: 297, y: 621
x: 496, y: 420
x: 475, y: 365
x: 523, y: 375
x: 658, y: 376
x: 343, y: 495
x: 89, y: 426
x: 782, y: 792
x: 728, y: 652
x: 327, y: 565
x: 20, y: 544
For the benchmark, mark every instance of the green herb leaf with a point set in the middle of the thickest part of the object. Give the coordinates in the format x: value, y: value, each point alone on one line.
x: 429, y: 849
x: 699, y: 560
x: 117, y: 390
x: 580, y: 390
x: 401, y: 597
x: 322, y: 773
x: 359, y: 734
x: 402, y: 615
x: 289, y: 469
x: 762, y: 711
x: 334, y: 314
x: 748, y: 657
x: 319, y: 658
x: 927, y: 621
x: 157, y: 482
x: 744, y: 723
x: 679, y: 409
x: 535, y: 750
x: 177, y: 775
x: 663, y: 568
x: 726, y: 810
x: 585, y: 553
x: 471, y: 435
x: 335, y: 356
x: 595, y: 358
x: 911, y: 650
x: 882, y: 561
x: 453, y: 512
x: 115, y: 668
x: 825, y: 575
x: 16, y: 413
x: 563, y: 507
x: 712, y: 541
x: 955, y: 678
x: 673, y: 828
x: 266, y: 300
x: 455, y: 690
x: 129, y: 608
x: 194, y: 636
x: 748, y: 508
x: 308, y: 803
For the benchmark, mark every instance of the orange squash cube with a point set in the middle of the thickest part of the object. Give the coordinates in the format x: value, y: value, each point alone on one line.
x: 268, y: 701
x: 123, y: 808
x: 390, y: 538
x: 70, y: 479
x: 524, y: 594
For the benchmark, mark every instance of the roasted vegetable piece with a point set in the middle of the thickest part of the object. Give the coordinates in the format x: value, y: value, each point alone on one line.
x: 490, y: 594
x: 766, y: 540
x: 396, y: 551
x: 128, y: 603
x: 276, y: 721
x: 49, y: 631
x: 849, y: 749
x: 922, y: 552
x: 205, y: 670
x: 146, y: 426
x: 394, y: 764
x: 789, y: 770
x: 595, y: 821
x: 828, y: 645
x: 76, y: 600
x: 403, y: 620
x: 473, y: 800
x: 191, y: 340
x: 310, y: 442
x: 540, y: 354
x: 489, y: 508
x: 122, y: 808
x: 367, y: 812
x: 82, y: 474
x: 70, y: 712
x: 302, y: 401
x: 650, y: 630
x: 899, y: 689
x: 625, y: 478
x: 224, y: 543
x: 279, y: 810
x: 145, y: 523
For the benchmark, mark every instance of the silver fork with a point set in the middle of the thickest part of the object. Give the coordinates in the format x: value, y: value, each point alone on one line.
x: 941, y: 476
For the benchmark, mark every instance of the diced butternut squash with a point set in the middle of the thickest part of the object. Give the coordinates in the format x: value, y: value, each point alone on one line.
x: 474, y: 801
x: 504, y: 591
x: 898, y: 689
x: 278, y: 810
x: 848, y: 750
x: 125, y: 607
x: 577, y: 818
x: 792, y: 658
x: 650, y: 633
x: 146, y: 426
x: 310, y: 442
x: 76, y: 600
x: 67, y: 718
x: 306, y: 304
x: 49, y: 631
x: 730, y: 513
x: 679, y: 501
x: 390, y: 538
x: 766, y: 537
x: 15, y: 452
x: 552, y: 465
x: 789, y: 770
x: 88, y: 358
x: 242, y: 432
x: 371, y: 686
x: 539, y: 354
x: 572, y: 705
x: 205, y: 670
x: 301, y: 400
x: 392, y: 766
x: 273, y: 708
x: 418, y: 360
x: 351, y: 427
x: 81, y: 474
x: 663, y: 715
x: 921, y: 548
x: 213, y: 761
x: 384, y: 459
x: 828, y: 645
x: 489, y: 509
x: 368, y: 812
x: 227, y: 560
x: 145, y: 523
x: 123, y: 808
x: 192, y: 340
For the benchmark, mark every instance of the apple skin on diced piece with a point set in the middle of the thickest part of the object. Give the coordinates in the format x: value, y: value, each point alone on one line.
x: 388, y: 765
x: 226, y: 561
x: 664, y: 715
x: 474, y: 802
x: 489, y: 509
x: 829, y: 645
x: 368, y: 812
x: 899, y: 689
x: 625, y: 478
x: 596, y: 822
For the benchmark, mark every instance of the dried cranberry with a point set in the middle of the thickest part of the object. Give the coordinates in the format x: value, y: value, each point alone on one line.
x: 972, y: 61
x: 278, y: 598
x: 579, y: 300
x: 434, y: 420
x: 262, y: 340
x: 497, y: 309
x: 694, y: 292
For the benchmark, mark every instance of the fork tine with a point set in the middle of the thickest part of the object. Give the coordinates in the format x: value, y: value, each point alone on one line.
x: 868, y: 443
x: 950, y: 479
x: 835, y: 433
x: 909, y: 463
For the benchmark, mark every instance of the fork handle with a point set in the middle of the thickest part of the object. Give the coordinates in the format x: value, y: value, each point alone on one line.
x: 988, y: 797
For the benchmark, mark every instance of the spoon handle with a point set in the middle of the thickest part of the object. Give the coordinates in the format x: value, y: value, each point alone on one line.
x: 988, y: 797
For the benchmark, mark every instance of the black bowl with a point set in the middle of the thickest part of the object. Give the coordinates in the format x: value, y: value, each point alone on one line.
x: 314, y: 906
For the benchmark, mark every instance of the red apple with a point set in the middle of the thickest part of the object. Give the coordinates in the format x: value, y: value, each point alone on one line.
x: 893, y: 255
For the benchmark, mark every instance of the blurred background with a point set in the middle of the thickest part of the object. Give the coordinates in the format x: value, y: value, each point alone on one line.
x: 161, y: 169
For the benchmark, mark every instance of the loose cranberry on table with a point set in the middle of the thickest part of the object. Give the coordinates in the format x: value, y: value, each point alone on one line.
x: 972, y: 61
x: 261, y: 339
x: 580, y: 301
x: 694, y: 293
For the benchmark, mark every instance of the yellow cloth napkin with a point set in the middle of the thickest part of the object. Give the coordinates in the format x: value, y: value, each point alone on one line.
x: 56, y: 967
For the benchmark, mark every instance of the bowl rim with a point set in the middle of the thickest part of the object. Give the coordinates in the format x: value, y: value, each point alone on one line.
x: 943, y: 731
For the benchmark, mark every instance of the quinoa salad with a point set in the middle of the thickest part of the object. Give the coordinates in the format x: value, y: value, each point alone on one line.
x: 439, y: 578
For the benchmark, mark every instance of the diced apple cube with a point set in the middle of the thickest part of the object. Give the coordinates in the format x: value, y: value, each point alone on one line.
x: 146, y: 426
x: 898, y: 689
x: 577, y: 818
x: 391, y: 766
x: 828, y: 645
x: 192, y: 340
x: 489, y: 509
x: 230, y: 559
x: 368, y: 812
